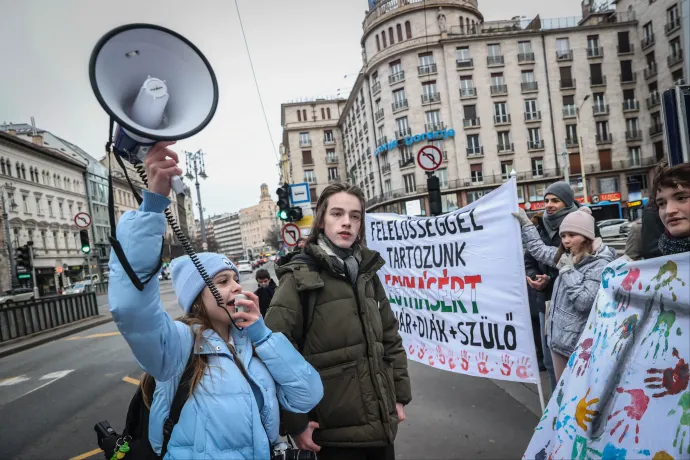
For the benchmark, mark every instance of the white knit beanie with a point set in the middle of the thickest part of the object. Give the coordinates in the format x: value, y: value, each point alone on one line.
x: 580, y: 222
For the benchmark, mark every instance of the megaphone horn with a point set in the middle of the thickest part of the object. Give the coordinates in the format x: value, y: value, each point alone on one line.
x: 155, y: 84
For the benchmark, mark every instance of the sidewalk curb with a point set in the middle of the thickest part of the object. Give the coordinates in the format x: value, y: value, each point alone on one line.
x: 41, y: 338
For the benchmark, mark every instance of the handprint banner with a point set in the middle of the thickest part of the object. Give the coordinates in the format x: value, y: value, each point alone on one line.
x: 457, y: 285
x: 624, y: 394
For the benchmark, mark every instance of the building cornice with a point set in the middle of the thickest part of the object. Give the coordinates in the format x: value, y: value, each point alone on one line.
x: 15, y: 141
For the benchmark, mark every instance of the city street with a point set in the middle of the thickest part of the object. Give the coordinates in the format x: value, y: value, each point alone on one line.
x: 52, y: 395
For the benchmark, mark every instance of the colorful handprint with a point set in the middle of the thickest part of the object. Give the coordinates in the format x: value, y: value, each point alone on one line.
x: 482, y: 358
x: 411, y: 349
x: 431, y: 360
x: 635, y: 410
x: 684, y: 424
x: 506, y: 365
x: 673, y: 379
x: 660, y: 332
x: 464, y: 360
x: 582, y: 413
x: 440, y: 356
x: 622, y: 296
x: 524, y: 369
x: 451, y: 360
x: 580, y: 361
x: 422, y: 352
x: 625, y: 329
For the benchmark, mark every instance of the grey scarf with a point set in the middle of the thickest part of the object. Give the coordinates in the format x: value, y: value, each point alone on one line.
x: 345, y: 261
x: 669, y: 245
x: 553, y: 221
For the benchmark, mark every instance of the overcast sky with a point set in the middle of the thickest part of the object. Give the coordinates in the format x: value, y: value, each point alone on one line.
x: 299, y: 48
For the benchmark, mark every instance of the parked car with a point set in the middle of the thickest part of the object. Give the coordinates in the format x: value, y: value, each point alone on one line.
x: 78, y: 288
x: 244, y: 266
x: 610, y: 228
x: 16, y: 295
x: 625, y: 228
x: 164, y: 275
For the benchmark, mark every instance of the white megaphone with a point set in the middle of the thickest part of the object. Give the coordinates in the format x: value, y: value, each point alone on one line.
x: 155, y: 84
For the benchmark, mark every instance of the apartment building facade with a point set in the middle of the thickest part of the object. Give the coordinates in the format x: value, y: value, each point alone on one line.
x: 228, y: 235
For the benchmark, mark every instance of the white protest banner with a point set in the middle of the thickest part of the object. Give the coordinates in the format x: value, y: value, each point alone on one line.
x: 624, y: 394
x: 457, y: 285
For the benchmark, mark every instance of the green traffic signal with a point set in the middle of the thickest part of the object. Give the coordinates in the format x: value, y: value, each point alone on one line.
x: 282, y: 214
x: 85, y: 245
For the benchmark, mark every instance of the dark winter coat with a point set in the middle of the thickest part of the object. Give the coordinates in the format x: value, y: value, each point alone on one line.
x: 652, y: 229
x: 353, y: 343
x: 265, y: 294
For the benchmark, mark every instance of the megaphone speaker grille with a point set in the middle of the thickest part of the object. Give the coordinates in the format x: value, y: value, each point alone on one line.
x: 127, y: 56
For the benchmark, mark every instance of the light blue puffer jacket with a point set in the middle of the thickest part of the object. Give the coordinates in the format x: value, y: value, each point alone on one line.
x: 223, y: 418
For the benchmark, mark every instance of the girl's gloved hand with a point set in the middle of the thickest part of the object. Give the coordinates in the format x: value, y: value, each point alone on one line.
x: 521, y: 216
x: 565, y: 263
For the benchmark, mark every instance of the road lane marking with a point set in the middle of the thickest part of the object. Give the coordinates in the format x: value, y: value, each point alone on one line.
x: 88, y: 454
x: 131, y: 380
x: 13, y: 380
x: 55, y: 377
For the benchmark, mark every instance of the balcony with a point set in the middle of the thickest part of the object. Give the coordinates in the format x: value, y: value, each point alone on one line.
x: 564, y: 55
x: 329, y: 140
x: 631, y: 105
x: 396, y: 78
x: 466, y: 93
x: 427, y: 69
x: 529, y: 87
x: 383, y: 140
x: 634, y: 135
x: 650, y: 71
x: 656, y: 130
x: 495, y: 61
x: 647, y: 42
x: 603, y: 139
x: 571, y: 143
x: 499, y: 90
x: 595, y: 52
x: 333, y: 179
x: 525, y: 58
x: 568, y: 83
x: 672, y: 26
x: 628, y: 78
x: 464, y: 64
x: 438, y: 126
x: 379, y: 115
x: 532, y: 116
x: 332, y: 159
x: 597, y: 81
x: 431, y: 98
x: 622, y: 50
x: 501, y: 119
x: 401, y: 134
x: 653, y: 100
x: 405, y: 162
x: 310, y: 179
x: 569, y: 111
x: 535, y: 145
x: 674, y: 59
x: 399, y: 105
x: 386, y: 168
x: 376, y: 88
x: 474, y: 152
x: 305, y: 142
x: 471, y: 122
x: 505, y: 149
x: 600, y: 109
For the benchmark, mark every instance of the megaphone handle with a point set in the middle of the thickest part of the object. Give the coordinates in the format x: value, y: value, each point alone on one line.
x: 177, y: 185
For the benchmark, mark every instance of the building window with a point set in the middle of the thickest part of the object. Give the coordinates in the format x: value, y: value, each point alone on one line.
x: 38, y: 207
x: 449, y: 202
x: 525, y: 48
x: 648, y: 32
x: 477, y: 174
x: 433, y: 120
x: 504, y: 143
x: 442, y: 175
x: 398, y: 29
x: 408, y: 30
x: 462, y: 54
x: 537, y: 167
x: 506, y: 169
x: 328, y: 136
x: 391, y: 37
x: 672, y: 16
x: 475, y: 195
x: 410, y: 183
x: 562, y: 48
x: 304, y: 139
x: 501, y: 112
x: 378, y: 43
x: 62, y: 210
x: 328, y: 112
x: 25, y: 203
x: 55, y: 240
x: 24, y: 167
x: 387, y: 188
x: 333, y: 174
x: 44, y: 239
x: 383, y: 38
x: 406, y: 153
x: 536, y: 192
x: 323, y: 113
x: 473, y: 145
x: 634, y: 156
x: 608, y: 185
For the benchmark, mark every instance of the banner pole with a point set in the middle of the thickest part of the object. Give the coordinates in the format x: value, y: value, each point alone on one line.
x: 540, y: 390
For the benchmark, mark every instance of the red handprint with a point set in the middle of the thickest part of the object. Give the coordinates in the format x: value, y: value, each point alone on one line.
x: 507, y: 365
x: 411, y: 349
x: 440, y: 356
x: 451, y: 360
x: 635, y: 411
x: 673, y: 380
x: 422, y: 352
x: 582, y: 359
x: 431, y: 360
x: 631, y: 279
x: 482, y: 358
x: 465, y: 360
x: 523, y: 369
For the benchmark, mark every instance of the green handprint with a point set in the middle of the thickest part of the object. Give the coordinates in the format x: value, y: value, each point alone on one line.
x: 669, y: 271
x: 684, y: 424
x: 546, y: 415
x: 662, y: 330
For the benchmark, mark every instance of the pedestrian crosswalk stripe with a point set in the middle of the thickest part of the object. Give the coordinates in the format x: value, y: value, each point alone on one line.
x: 13, y: 380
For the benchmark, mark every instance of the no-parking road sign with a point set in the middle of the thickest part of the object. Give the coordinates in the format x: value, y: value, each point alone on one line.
x: 291, y: 233
x: 429, y: 158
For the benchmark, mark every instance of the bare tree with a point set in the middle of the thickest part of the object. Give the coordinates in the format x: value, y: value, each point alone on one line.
x: 273, y: 238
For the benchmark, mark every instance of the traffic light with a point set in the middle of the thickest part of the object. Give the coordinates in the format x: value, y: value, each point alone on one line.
x: 85, y: 245
x: 295, y: 214
x: 23, y: 257
x: 283, y: 201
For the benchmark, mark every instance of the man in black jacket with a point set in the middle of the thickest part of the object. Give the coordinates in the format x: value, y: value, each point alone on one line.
x: 267, y: 287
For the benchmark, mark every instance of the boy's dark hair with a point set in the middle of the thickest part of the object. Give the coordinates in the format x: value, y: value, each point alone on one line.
x: 262, y: 274
x: 672, y: 177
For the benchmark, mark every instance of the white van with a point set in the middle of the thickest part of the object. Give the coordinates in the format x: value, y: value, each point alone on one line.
x: 244, y: 266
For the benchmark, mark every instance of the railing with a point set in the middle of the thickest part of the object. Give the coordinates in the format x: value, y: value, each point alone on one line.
x: 376, y: 88
x: 653, y: 100
x: 630, y: 49
x: 595, y: 52
x: 525, y: 57
x: 674, y: 59
x: 568, y: 83
x: 403, y: 133
x: 99, y: 288
x: 604, y: 138
x: 386, y: 168
x: 405, y: 162
x: 535, y: 145
x: 529, y: 86
x: 382, y: 141
x: 597, y: 81
x: 650, y: 71
x: 533, y: 116
x: 475, y: 151
x: 305, y: 142
x: 331, y: 160
x: 328, y: 140
x: 396, y: 77
x: 426, y: 69
x: 634, y: 135
x: 468, y: 92
x: 378, y: 115
x: 672, y: 26
x: 399, y: 105
x: 431, y: 98
x: 440, y: 126
x: 569, y: 111
x: 471, y: 122
x: 655, y: 130
x: 630, y: 105
x: 499, y: 89
x: 310, y: 179
x: 501, y: 119
x: 629, y: 78
x: 505, y: 148
x: 600, y: 109
x: 565, y: 55
x: 647, y: 42
x: 333, y: 179
x: 21, y: 319
x: 493, y: 61
x: 464, y: 63
x: 571, y: 142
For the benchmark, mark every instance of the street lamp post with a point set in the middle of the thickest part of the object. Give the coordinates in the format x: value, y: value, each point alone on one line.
x: 582, y: 153
x: 196, y: 161
x: 8, y: 237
